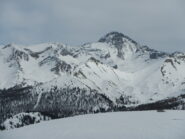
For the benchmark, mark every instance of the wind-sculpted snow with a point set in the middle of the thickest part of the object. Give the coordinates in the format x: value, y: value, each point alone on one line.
x: 114, y: 73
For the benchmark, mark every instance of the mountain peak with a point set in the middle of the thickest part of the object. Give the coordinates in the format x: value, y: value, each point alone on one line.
x: 115, y: 38
x: 124, y: 44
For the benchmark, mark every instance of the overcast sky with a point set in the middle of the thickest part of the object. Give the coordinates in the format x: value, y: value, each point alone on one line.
x: 160, y: 24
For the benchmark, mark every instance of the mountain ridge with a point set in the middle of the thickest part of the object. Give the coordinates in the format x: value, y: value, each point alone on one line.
x: 112, y: 73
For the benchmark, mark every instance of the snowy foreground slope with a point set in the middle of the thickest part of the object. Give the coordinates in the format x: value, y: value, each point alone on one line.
x: 118, y: 125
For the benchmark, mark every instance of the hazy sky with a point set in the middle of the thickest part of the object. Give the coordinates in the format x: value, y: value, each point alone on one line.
x: 159, y: 24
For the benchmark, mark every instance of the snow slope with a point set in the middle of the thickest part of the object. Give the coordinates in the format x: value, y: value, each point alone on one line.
x: 118, y: 125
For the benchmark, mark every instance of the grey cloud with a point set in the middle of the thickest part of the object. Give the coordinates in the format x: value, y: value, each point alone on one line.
x: 157, y: 23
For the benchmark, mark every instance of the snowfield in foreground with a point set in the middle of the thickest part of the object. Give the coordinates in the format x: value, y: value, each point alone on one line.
x: 117, y: 125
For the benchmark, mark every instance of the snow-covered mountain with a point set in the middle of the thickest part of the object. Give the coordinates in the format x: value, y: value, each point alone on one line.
x: 64, y: 80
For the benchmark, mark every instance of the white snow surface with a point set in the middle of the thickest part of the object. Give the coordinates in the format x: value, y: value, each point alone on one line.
x: 117, y: 125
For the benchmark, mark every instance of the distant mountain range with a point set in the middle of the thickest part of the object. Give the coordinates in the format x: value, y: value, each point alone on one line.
x: 114, y: 73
